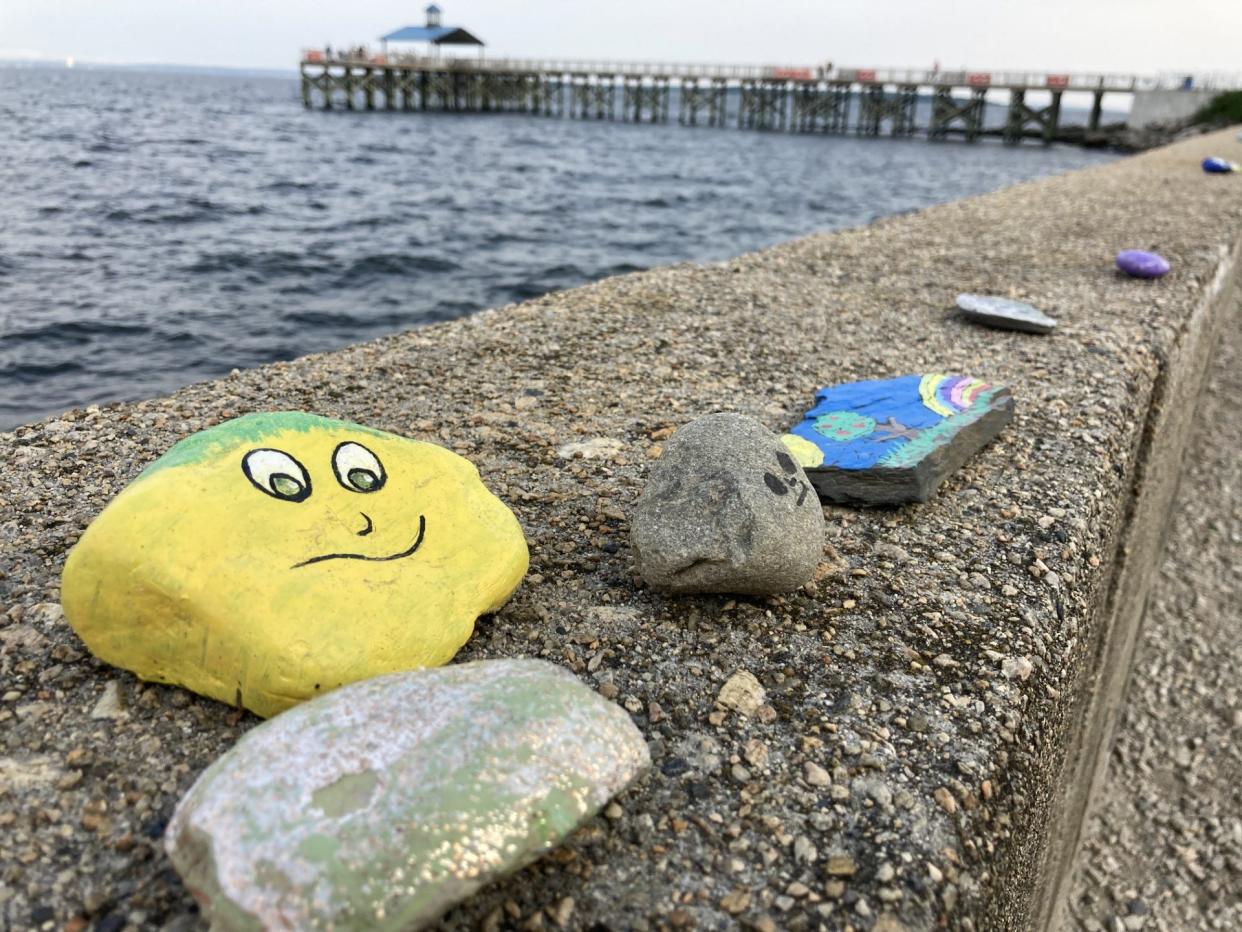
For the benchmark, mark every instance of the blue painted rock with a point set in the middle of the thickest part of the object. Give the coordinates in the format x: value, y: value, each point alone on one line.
x: 1218, y: 166
x: 1140, y: 264
x: 895, y: 440
x: 727, y: 509
x: 1004, y: 313
x: 380, y: 805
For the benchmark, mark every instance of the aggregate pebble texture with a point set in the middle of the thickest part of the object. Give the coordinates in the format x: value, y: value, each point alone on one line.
x: 888, y: 760
x: 1164, y: 847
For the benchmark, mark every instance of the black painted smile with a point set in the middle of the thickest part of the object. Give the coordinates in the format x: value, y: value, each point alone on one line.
x: 418, y: 542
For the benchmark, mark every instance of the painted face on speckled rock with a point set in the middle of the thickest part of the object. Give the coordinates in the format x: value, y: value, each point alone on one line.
x: 787, y: 481
x: 277, y: 556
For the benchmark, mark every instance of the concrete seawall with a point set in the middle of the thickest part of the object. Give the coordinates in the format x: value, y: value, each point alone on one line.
x: 1167, y: 106
x: 956, y: 669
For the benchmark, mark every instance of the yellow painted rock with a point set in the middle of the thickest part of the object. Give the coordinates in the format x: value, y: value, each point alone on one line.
x: 277, y: 556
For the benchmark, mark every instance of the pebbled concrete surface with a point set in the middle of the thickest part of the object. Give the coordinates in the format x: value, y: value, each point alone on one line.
x: 1164, y: 846
x: 900, y: 765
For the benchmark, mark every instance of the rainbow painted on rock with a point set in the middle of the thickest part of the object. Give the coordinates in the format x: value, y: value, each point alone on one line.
x: 948, y: 395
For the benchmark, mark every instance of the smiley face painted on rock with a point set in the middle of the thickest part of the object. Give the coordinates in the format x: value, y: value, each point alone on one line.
x: 277, y: 556
x: 358, y: 469
x: 789, y: 480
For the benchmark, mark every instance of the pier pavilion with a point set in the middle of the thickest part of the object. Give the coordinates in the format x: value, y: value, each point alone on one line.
x: 433, y: 34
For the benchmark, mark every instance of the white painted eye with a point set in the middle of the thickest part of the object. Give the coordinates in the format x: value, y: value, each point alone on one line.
x: 277, y: 474
x: 357, y: 468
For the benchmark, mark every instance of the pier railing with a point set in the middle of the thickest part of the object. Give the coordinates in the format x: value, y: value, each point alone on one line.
x: 572, y: 66
x: 1029, y: 80
x: 1205, y: 81
x: 585, y: 66
x: 916, y: 77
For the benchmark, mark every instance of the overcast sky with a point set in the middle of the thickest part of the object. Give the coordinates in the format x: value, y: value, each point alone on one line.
x: 1145, y: 36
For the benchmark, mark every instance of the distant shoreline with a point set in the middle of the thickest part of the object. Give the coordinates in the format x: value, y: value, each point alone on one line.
x: 153, y: 68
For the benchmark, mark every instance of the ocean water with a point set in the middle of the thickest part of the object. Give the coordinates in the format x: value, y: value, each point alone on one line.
x: 158, y: 229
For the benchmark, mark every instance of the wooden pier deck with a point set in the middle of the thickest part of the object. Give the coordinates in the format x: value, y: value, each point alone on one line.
x: 865, y: 101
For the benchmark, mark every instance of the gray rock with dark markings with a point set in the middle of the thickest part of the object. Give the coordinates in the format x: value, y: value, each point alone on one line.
x: 727, y: 509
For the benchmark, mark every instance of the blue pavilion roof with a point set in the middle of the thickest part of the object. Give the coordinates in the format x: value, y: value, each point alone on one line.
x: 447, y: 35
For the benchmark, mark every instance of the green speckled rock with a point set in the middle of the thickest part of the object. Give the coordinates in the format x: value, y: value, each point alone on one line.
x: 383, y: 803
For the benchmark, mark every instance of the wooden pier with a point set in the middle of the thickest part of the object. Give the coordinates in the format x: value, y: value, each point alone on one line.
x: 868, y: 102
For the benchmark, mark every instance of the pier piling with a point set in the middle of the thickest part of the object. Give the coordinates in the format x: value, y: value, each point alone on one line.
x: 1045, y: 120
x: 950, y: 114
x: 696, y: 96
x: 1097, y: 110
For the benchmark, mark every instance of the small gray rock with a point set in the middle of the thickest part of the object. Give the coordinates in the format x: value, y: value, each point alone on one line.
x: 383, y: 803
x: 727, y: 509
x: 1004, y: 313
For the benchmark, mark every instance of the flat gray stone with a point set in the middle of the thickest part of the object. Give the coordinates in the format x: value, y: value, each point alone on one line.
x: 727, y: 509
x: 1005, y: 313
x: 385, y: 802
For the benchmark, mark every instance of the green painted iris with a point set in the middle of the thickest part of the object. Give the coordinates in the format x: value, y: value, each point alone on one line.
x: 286, y: 486
x: 363, y: 480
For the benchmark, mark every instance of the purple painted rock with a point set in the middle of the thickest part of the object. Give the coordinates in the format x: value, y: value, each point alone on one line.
x: 1140, y: 264
x: 1004, y: 313
x: 895, y: 440
x: 1218, y: 166
x: 383, y: 803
